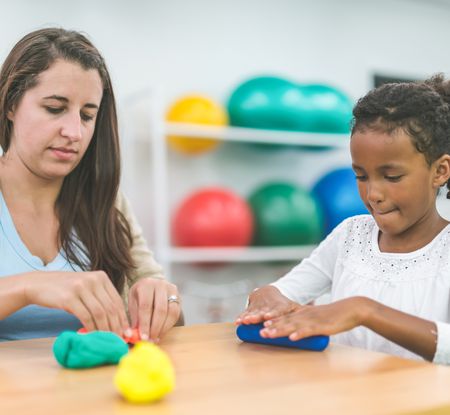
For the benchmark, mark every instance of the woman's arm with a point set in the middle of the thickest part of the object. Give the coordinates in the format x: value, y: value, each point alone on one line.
x: 90, y: 296
x: 12, y: 295
x: 147, y: 291
x: 413, y: 333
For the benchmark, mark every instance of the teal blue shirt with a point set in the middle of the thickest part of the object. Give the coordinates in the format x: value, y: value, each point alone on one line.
x: 32, y: 321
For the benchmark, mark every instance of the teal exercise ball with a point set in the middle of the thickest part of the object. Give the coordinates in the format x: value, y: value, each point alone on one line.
x: 338, y: 195
x: 275, y: 103
x: 331, y: 109
x: 285, y: 214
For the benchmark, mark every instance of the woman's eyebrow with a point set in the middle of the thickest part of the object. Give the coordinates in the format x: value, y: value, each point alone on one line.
x: 65, y: 100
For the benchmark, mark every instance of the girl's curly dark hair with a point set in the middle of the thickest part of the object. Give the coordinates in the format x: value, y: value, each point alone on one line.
x: 420, y: 109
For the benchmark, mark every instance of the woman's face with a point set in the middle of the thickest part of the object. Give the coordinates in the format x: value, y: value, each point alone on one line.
x: 54, y: 121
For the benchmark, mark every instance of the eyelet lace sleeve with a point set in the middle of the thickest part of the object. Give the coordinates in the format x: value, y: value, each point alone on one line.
x: 442, y: 355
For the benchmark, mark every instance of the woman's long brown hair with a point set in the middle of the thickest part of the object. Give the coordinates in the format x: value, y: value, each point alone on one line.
x: 92, y: 232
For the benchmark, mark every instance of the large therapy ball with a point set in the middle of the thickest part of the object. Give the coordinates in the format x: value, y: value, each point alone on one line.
x: 285, y: 215
x: 338, y: 194
x: 213, y: 217
x: 195, y: 109
x: 331, y: 109
x: 276, y: 103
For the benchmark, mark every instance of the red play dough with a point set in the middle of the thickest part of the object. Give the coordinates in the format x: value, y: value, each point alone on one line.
x: 135, y: 337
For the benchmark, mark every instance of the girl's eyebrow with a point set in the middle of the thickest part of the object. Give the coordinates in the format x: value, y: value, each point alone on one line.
x: 65, y: 100
x: 383, y: 167
x: 355, y: 166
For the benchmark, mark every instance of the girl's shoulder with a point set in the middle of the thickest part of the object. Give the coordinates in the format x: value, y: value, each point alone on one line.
x: 355, y: 226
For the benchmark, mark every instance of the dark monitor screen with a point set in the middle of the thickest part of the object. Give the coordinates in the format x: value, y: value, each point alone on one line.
x: 379, y: 80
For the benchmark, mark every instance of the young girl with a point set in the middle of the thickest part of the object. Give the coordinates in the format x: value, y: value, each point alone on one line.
x: 71, y: 254
x: 388, y: 272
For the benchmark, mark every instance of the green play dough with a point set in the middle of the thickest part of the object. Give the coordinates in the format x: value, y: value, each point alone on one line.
x: 78, y: 351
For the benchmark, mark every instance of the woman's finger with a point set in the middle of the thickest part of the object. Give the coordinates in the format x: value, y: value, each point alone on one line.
x: 79, y: 310
x: 159, y: 314
x: 145, y: 299
x: 116, y: 308
x: 96, y: 310
x: 172, y: 318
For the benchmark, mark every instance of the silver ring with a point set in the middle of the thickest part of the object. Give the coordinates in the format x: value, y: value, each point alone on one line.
x: 173, y: 299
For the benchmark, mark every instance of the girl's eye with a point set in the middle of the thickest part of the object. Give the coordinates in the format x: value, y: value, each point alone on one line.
x: 361, y: 178
x: 393, y: 178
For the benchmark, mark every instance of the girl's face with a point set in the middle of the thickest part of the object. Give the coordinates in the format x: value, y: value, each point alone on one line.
x: 395, y: 182
x: 54, y: 121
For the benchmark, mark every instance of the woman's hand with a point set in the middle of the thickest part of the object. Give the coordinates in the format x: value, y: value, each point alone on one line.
x: 154, y: 307
x: 90, y: 296
x: 266, y: 303
x: 309, y: 321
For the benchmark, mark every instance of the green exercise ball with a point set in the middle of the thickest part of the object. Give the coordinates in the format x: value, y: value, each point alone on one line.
x: 285, y: 214
x: 276, y: 103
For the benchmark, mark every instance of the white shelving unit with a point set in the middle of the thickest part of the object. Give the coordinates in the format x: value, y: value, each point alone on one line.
x: 166, y: 253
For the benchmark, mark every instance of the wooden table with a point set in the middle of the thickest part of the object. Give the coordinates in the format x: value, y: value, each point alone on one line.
x: 217, y: 374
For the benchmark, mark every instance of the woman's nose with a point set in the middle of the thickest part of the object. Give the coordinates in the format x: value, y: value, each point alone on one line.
x: 71, y: 127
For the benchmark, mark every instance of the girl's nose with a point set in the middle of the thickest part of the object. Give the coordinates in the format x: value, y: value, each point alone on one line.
x: 374, y: 193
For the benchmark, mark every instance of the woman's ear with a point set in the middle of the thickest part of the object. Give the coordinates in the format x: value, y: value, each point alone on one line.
x: 10, y: 115
x: 442, y: 170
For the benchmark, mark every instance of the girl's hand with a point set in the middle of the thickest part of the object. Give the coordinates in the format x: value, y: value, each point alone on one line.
x: 90, y: 296
x: 266, y: 303
x: 150, y: 309
x: 317, y: 320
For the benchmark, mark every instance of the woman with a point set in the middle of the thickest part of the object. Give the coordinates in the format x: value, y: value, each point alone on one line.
x: 71, y: 253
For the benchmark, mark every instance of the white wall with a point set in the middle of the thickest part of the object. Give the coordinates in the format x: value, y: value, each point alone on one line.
x: 205, y: 46
x: 209, y: 46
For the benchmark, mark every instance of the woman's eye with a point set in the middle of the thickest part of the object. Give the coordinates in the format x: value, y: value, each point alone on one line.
x: 86, y: 117
x: 54, y: 110
x: 360, y: 178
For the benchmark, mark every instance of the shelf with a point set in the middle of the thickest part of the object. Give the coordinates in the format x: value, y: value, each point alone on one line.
x: 244, y: 254
x: 257, y: 135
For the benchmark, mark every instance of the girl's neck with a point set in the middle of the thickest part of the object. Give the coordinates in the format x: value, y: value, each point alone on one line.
x: 413, y: 239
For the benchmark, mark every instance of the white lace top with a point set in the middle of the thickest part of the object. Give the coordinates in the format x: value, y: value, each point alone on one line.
x: 349, y: 263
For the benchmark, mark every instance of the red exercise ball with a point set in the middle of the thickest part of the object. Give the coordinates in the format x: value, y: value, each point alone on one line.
x: 213, y: 217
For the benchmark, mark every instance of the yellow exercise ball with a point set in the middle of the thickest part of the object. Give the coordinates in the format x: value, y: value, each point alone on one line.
x: 195, y: 109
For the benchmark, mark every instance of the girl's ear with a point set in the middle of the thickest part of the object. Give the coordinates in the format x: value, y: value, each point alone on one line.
x: 442, y: 170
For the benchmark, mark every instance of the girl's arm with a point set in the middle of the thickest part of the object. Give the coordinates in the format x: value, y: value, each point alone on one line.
x: 413, y: 333
x: 305, y: 282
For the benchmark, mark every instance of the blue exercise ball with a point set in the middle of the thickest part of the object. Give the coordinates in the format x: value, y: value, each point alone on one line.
x: 338, y: 194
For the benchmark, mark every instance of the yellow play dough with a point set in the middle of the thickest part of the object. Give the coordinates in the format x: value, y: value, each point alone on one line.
x: 145, y: 374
